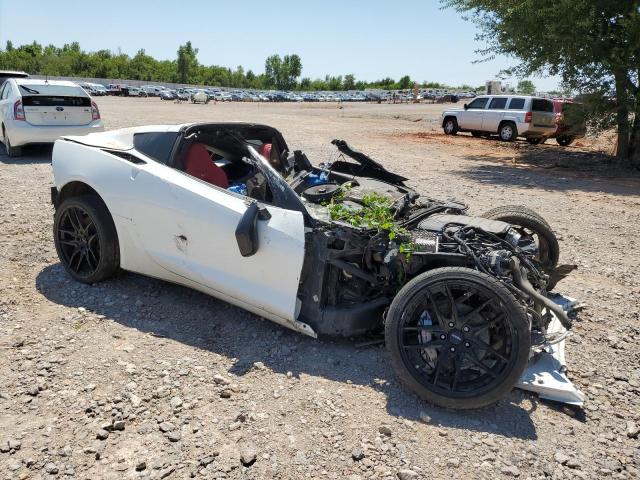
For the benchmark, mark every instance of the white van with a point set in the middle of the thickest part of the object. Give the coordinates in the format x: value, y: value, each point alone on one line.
x: 509, y: 116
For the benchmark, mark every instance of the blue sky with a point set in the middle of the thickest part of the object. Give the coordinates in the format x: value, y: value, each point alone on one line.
x: 371, y: 39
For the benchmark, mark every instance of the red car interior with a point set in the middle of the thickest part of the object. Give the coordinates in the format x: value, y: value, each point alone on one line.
x: 199, y: 164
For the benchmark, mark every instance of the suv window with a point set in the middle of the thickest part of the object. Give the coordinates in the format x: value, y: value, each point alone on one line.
x: 479, y: 103
x: 156, y: 145
x: 3, y: 90
x: 516, y: 104
x: 541, y: 105
x: 498, y: 103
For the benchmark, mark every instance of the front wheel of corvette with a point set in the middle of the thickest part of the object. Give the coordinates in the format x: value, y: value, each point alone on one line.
x: 86, y: 239
x: 457, y: 338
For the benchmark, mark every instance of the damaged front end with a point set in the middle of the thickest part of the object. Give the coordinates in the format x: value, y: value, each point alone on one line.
x: 464, y: 344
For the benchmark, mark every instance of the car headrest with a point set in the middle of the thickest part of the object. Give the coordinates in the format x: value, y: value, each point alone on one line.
x: 265, y: 150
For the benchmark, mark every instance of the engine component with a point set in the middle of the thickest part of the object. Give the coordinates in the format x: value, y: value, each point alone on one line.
x: 321, y: 193
x: 425, y: 241
x: 438, y: 222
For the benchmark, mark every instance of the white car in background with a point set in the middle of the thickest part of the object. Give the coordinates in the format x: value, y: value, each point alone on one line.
x: 509, y: 116
x: 40, y: 111
x: 200, y: 96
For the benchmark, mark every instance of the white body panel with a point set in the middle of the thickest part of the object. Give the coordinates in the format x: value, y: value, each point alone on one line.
x: 44, y: 124
x: 180, y: 229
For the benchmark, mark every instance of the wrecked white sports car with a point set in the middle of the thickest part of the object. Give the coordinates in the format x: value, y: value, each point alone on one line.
x: 341, y: 249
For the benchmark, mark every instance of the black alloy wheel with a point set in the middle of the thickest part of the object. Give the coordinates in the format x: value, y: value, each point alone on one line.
x: 85, y: 239
x: 457, y: 337
x: 79, y: 241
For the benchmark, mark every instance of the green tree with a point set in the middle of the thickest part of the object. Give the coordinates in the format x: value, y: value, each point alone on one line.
x: 526, y: 86
x: 273, y: 71
x: 349, y: 82
x: 405, y: 82
x: 282, y: 73
x: 594, y: 45
x: 187, y: 62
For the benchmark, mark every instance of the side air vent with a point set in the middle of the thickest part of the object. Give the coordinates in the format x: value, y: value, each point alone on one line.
x: 125, y: 155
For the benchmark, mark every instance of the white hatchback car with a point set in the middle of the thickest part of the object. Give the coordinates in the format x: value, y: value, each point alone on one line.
x: 509, y: 116
x: 40, y: 111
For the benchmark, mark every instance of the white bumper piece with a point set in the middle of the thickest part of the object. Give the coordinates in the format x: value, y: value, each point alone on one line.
x: 546, y: 373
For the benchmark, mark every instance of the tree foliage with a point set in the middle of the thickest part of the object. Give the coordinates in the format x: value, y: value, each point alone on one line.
x: 282, y: 73
x: 594, y: 45
x: 526, y: 86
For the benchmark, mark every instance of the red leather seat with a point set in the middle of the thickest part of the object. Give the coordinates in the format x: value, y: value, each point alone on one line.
x: 265, y: 150
x: 199, y: 164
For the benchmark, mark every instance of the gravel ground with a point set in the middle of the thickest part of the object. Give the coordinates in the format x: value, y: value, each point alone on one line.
x: 137, y: 378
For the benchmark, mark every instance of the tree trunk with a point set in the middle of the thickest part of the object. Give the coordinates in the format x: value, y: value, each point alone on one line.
x: 622, y: 115
x: 634, y: 140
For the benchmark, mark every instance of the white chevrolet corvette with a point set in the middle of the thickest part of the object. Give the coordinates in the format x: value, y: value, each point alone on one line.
x: 345, y: 249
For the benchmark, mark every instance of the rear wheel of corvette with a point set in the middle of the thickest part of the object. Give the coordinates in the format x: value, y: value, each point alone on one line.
x: 86, y: 239
x: 457, y: 337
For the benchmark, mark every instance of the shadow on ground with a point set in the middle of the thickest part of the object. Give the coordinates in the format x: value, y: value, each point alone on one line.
x: 200, y: 321
x: 548, y: 166
x: 551, y: 177
x: 30, y: 155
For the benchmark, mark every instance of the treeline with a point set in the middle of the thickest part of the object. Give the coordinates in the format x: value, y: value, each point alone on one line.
x: 282, y: 73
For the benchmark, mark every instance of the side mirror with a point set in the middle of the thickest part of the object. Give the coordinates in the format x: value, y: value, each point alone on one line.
x: 466, y: 106
x: 247, y: 229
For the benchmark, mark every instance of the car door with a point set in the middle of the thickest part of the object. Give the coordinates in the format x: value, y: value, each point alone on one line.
x: 494, y: 114
x: 474, y: 113
x: 188, y: 228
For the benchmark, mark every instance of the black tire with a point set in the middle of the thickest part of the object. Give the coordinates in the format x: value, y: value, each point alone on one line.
x: 450, y: 126
x: 525, y: 218
x: 86, y: 239
x: 497, y: 212
x: 564, y: 140
x: 12, y: 152
x: 536, y: 140
x: 508, y: 132
x: 471, y: 345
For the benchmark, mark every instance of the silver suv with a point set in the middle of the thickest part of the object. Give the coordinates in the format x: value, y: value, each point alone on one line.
x: 509, y: 116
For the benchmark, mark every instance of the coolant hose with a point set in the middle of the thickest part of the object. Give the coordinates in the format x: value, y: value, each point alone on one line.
x: 522, y: 282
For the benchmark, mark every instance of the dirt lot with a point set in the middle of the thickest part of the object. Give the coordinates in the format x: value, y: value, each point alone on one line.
x: 191, y: 387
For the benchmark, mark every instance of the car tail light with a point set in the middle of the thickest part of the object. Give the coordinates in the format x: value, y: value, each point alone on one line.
x: 95, y: 113
x: 528, y: 116
x: 18, y: 111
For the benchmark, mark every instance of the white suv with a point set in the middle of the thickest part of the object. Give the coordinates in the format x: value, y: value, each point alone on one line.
x: 509, y: 116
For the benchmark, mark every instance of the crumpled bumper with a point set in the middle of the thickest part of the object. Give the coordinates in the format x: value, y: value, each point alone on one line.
x: 546, y: 373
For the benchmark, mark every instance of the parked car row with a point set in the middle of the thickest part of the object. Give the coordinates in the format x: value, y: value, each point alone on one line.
x: 239, y: 95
